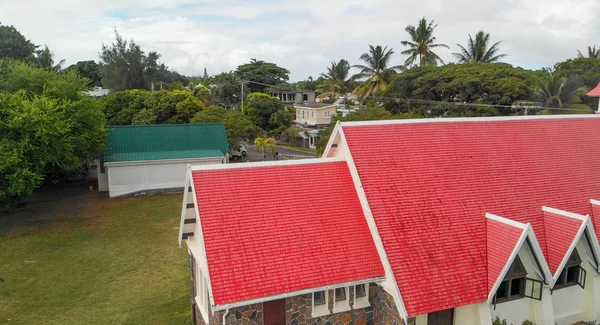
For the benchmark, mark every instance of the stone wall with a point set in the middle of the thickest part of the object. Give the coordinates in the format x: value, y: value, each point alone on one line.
x: 384, y: 307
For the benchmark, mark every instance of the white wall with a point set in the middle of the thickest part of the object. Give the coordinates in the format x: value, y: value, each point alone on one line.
x: 129, y: 178
x: 467, y: 315
x: 102, y: 177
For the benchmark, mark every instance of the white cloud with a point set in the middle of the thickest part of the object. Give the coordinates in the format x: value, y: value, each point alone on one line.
x: 302, y: 36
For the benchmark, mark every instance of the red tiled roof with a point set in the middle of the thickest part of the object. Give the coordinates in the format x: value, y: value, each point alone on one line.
x: 431, y: 189
x: 502, y: 239
x: 594, y: 92
x: 561, y: 232
x: 288, y: 228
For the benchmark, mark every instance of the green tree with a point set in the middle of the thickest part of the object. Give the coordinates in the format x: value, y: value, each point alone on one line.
x: 260, y: 107
x: 421, y: 44
x: 121, y: 107
x: 376, y: 71
x: 89, y: 70
x: 587, y: 69
x: 45, y: 60
x: 46, y: 125
x: 282, y: 119
x: 13, y: 45
x: 173, y: 107
x: 225, y: 89
x: 557, y: 90
x: 144, y: 117
x: 593, y: 53
x: 261, y: 72
x: 474, y: 83
x: 238, y: 126
x: 337, y: 80
x: 264, y: 144
x: 479, y: 50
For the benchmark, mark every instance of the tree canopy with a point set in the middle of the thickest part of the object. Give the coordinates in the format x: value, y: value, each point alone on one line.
x: 497, y: 83
x: 88, y: 70
x: 47, y: 125
x: 337, y: 79
x: 13, y: 45
x: 376, y: 71
x: 262, y: 72
x: 261, y: 107
x: 238, y: 126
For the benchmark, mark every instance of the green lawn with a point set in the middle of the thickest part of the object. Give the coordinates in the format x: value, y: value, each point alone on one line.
x: 81, y: 258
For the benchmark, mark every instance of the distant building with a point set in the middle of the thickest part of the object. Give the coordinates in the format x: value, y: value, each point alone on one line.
x: 296, y: 96
x: 97, y: 92
x: 315, y: 114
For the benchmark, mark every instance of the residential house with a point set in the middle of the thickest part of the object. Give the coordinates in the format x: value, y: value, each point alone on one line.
x: 469, y: 220
x: 315, y: 114
x: 142, y: 158
x: 97, y: 92
x: 292, y: 97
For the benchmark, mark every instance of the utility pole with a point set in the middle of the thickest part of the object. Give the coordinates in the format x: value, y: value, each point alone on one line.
x: 242, y: 107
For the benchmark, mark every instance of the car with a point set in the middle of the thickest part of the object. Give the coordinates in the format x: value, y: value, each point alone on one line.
x: 239, y: 152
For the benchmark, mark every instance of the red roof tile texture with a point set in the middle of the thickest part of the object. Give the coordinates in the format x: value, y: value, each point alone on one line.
x: 561, y: 232
x: 502, y: 239
x: 429, y: 193
x: 594, y: 92
x: 288, y: 228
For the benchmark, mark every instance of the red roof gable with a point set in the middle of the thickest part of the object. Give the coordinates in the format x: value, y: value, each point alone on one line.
x: 560, y: 232
x: 596, y: 218
x: 594, y: 92
x: 502, y: 239
x: 430, y: 203
x: 288, y: 228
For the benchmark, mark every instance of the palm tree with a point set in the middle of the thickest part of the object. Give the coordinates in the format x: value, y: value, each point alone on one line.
x: 45, y: 60
x: 337, y: 81
x: 421, y: 44
x: 376, y: 71
x: 478, y: 50
x: 556, y: 90
x: 593, y: 53
x: 264, y: 144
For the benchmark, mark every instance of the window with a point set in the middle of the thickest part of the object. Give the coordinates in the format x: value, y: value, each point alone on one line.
x: 313, y: 114
x: 361, y: 296
x: 327, y: 114
x: 411, y: 321
x: 304, y: 97
x: 513, y: 285
x: 201, y: 298
x: 572, y: 274
x: 320, y: 305
x: 340, y: 294
x: 360, y: 291
x: 319, y: 298
x: 302, y: 114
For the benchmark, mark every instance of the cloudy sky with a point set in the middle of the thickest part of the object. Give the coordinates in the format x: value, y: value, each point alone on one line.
x: 301, y: 35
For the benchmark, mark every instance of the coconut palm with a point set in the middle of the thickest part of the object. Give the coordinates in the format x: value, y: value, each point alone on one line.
x: 376, y: 71
x: 593, y: 53
x: 479, y: 50
x: 337, y: 80
x: 556, y: 90
x: 421, y: 44
x: 264, y: 144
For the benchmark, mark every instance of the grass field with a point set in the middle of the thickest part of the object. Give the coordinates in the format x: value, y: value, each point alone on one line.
x: 75, y: 257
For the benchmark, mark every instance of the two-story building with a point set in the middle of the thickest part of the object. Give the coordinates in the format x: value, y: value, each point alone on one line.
x: 471, y: 219
x: 291, y: 97
x: 315, y: 114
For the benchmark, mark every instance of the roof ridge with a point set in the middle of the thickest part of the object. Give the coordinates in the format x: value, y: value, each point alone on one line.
x: 276, y: 163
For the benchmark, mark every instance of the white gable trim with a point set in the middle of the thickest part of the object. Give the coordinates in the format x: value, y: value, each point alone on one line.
x: 370, y: 220
x: 535, y: 247
x: 595, y: 202
x: 585, y: 221
x: 512, y: 255
x: 468, y: 119
x: 199, y: 238
x: 186, y: 190
x: 336, y: 131
x: 307, y: 161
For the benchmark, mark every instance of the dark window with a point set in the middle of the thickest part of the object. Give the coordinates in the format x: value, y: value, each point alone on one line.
x: 340, y: 294
x: 572, y: 273
x: 359, y: 290
x: 319, y: 298
x: 102, y: 167
x: 513, y: 285
x: 411, y: 321
x: 305, y: 97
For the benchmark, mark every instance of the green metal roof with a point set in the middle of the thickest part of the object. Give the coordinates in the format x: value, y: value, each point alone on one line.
x: 165, y: 141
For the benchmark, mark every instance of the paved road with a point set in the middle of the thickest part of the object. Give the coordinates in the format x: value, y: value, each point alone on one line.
x: 254, y: 155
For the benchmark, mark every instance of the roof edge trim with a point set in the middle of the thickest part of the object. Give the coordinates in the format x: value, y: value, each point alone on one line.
x: 467, y: 119
x: 307, y: 161
x: 512, y: 255
x: 295, y: 293
x: 565, y: 213
x: 595, y: 202
x: 336, y: 130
